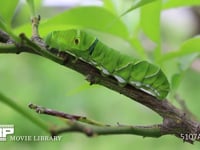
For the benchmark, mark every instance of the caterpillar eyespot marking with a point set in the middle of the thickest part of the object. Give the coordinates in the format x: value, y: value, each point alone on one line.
x: 76, y: 41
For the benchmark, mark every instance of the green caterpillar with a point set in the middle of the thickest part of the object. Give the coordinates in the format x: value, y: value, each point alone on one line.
x: 127, y: 70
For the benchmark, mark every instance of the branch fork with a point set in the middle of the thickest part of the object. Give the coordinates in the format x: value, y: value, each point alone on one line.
x: 175, y: 121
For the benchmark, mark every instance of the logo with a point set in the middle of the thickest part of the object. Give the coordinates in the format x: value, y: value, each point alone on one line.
x: 6, y: 130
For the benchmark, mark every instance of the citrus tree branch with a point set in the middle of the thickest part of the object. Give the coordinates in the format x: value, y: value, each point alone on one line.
x: 175, y: 121
x: 91, y: 127
x: 47, y: 111
x: 144, y: 131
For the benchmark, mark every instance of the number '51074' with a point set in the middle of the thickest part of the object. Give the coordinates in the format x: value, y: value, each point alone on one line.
x: 190, y: 136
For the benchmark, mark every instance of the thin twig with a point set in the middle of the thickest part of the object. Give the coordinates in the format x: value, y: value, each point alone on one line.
x: 91, y: 127
x: 47, y: 111
x: 40, y: 50
x: 175, y: 121
x: 35, y: 25
x: 144, y: 131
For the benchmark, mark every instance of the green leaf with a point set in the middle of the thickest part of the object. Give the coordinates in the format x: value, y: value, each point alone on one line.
x: 7, y: 29
x: 180, y: 3
x: 90, y: 17
x: 24, y: 13
x: 97, y: 18
x: 150, y: 23
x: 187, y: 53
x: 137, y: 4
x: 175, y: 81
x: 188, y: 47
x: 32, y: 6
x: 7, y: 9
x: 184, y: 64
x: 3, y: 25
x: 150, y: 20
x: 186, y: 61
x: 109, y: 5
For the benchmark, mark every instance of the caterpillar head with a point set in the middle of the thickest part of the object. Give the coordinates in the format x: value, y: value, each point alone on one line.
x: 73, y: 40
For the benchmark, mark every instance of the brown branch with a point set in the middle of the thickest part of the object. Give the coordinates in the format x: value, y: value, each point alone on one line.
x: 47, y: 111
x: 4, y: 37
x: 175, y: 121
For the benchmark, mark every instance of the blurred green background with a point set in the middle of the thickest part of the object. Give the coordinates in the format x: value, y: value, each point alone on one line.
x: 28, y: 78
